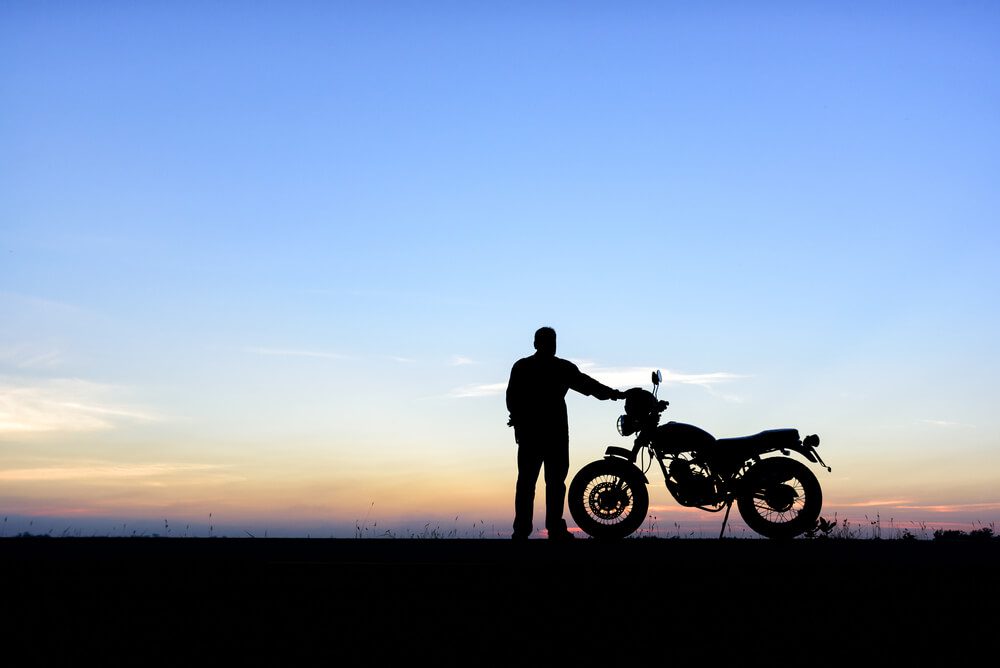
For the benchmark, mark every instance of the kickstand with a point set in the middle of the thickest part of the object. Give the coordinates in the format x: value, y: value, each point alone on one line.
x: 729, y: 506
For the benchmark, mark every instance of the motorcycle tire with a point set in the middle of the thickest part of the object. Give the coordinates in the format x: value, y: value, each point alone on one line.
x: 781, y: 498
x: 608, y: 499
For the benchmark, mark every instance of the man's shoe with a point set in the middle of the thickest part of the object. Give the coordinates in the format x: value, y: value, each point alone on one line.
x: 519, y: 536
x: 561, y: 535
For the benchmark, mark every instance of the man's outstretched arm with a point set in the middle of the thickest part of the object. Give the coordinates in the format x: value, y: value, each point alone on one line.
x: 584, y: 384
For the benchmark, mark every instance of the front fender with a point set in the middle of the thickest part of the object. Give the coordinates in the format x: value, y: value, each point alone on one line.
x: 624, y: 456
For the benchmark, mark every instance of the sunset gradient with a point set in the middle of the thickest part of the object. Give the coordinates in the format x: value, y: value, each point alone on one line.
x: 265, y: 268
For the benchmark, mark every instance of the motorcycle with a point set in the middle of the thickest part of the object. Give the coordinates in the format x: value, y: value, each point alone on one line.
x: 778, y: 497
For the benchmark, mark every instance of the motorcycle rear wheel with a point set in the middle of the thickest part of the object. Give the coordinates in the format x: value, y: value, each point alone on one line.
x: 781, y: 498
x: 608, y: 498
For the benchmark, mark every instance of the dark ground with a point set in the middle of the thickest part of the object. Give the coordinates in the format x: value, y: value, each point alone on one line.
x: 159, y: 599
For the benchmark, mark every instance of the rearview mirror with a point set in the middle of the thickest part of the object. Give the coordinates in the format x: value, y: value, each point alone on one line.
x: 657, y: 377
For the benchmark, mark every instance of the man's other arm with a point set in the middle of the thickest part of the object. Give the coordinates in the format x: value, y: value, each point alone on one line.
x: 514, y: 394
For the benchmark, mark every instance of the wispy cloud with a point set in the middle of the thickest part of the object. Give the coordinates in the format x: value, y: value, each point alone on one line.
x: 40, y: 304
x: 911, y: 504
x: 944, y: 423
x: 670, y: 510
x: 102, y: 471
x: 638, y: 376
x: 876, y: 503
x: 400, y: 359
x: 290, y: 352
x: 29, y: 356
x: 621, y: 377
x: 478, y: 390
x: 63, y: 405
x: 953, y: 507
x: 461, y: 360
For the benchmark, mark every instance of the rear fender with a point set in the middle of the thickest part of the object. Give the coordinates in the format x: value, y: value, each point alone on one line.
x: 807, y: 452
x: 806, y: 448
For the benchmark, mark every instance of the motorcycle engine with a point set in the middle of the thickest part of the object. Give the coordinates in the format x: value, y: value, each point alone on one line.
x: 690, y: 484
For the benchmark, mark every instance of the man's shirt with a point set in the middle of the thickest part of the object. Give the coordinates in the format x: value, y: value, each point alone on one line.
x: 536, y: 393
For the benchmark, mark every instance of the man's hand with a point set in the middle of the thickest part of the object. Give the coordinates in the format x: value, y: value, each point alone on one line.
x: 616, y: 395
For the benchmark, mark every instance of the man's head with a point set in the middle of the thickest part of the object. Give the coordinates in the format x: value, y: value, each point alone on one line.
x: 545, y: 341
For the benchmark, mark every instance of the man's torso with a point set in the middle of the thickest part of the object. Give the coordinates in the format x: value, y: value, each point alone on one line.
x: 537, y: 394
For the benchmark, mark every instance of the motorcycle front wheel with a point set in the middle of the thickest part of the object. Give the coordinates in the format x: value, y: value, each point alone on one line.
x: 781, y: 498
x: 608, y: 498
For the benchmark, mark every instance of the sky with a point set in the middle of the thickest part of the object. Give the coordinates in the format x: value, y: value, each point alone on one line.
x: 265, y: 267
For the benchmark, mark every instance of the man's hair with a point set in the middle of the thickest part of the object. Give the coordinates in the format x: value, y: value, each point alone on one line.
x: 544, y: 334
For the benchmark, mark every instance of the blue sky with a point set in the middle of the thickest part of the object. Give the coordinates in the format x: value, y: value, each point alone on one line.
x: 274, y: 248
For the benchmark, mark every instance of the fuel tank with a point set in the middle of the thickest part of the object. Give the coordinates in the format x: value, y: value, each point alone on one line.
x: 675, y: 437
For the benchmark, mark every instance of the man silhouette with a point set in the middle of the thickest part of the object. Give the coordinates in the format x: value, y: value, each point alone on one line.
x: 537, y: 405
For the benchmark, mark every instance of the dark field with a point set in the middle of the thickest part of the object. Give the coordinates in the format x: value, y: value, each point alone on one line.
x: 154, y: 599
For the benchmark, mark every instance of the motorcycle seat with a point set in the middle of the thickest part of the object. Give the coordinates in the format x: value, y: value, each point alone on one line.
x: 776, y: 438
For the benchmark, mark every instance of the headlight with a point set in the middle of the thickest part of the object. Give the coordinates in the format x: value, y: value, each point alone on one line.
x: 626, y: 426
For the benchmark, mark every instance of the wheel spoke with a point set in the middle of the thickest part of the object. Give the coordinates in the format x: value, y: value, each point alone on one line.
x: 595, y: 492
x: 608, y: 499
x: 770, y: 514
x: 781, y: 498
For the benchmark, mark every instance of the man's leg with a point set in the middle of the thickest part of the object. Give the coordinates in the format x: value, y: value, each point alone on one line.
x: 529, y: 462
x: 556, y: 469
